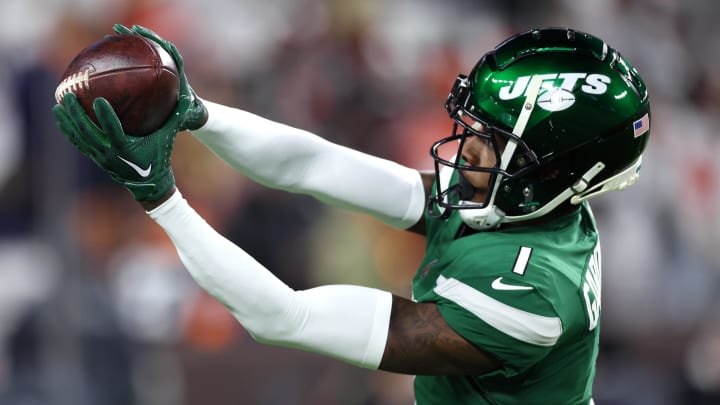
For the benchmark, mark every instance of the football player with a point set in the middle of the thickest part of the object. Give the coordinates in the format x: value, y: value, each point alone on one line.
x: 506, y: 303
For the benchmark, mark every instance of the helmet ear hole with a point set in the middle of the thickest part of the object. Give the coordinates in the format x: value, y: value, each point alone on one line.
x: 549, y: 173
x: 520, y: 196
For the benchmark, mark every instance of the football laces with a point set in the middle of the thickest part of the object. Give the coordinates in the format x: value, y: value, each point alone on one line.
x: 72, y: 83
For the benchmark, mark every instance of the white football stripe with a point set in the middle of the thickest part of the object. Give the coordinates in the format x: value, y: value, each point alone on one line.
x: 522, y: 325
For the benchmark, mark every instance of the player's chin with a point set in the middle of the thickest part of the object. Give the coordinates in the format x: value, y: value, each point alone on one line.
x: 480, y: 196
x: 478, y: 181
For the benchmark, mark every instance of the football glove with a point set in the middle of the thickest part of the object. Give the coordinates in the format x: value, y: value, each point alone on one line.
x: 141, y: 164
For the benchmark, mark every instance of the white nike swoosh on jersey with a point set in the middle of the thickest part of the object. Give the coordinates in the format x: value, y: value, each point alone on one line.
x: 142, y: 172
x: 498, y: 284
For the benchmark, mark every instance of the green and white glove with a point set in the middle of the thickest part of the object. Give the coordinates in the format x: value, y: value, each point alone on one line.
x: 141, y: 164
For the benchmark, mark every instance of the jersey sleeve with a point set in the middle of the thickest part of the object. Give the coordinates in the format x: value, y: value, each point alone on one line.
x: 305, y: 163
x: 511, y: 321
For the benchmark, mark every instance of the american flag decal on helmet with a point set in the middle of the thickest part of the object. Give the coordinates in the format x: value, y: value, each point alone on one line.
x: 642, y: 125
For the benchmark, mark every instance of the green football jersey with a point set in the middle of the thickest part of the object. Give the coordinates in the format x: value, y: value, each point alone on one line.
x: 530, y: 296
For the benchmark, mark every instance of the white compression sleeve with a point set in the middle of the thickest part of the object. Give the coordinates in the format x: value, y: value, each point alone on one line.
x: 347, y: 322
x: 280, y: 156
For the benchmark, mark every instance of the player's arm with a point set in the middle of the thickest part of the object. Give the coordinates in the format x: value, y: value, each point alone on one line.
x: 283, y: 157
x: 363, y: 326
x: 421, y: 342
x: 291, y: 159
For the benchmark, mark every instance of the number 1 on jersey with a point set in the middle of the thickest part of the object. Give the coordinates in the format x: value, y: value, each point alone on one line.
x: 522, y: 259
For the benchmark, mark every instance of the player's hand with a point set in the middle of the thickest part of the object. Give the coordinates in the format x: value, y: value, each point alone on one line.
x: 190, y: 112
x: 141, y: 164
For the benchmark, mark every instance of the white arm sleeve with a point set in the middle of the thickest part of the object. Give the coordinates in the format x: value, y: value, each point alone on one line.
x: 280, y: 156
x: 349, y: 323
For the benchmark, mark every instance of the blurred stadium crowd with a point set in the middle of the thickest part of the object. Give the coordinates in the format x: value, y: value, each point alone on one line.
x: 96, y: 309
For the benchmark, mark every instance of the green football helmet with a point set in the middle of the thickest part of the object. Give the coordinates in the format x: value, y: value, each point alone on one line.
x: 573, y: 116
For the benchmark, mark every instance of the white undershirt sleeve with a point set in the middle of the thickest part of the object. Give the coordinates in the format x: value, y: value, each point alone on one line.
x: 283, y: 157
x: 346, y: 322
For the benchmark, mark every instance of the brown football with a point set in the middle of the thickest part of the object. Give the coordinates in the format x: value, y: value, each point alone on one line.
x: 137, y: 77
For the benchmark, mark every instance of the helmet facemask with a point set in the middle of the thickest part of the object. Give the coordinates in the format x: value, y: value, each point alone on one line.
x: 506, y: 146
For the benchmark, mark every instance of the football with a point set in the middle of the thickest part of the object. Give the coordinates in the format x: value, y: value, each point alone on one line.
x: 137, y: 77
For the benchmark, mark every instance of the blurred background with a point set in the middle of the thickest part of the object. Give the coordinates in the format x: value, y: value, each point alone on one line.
x: 96, y: 309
